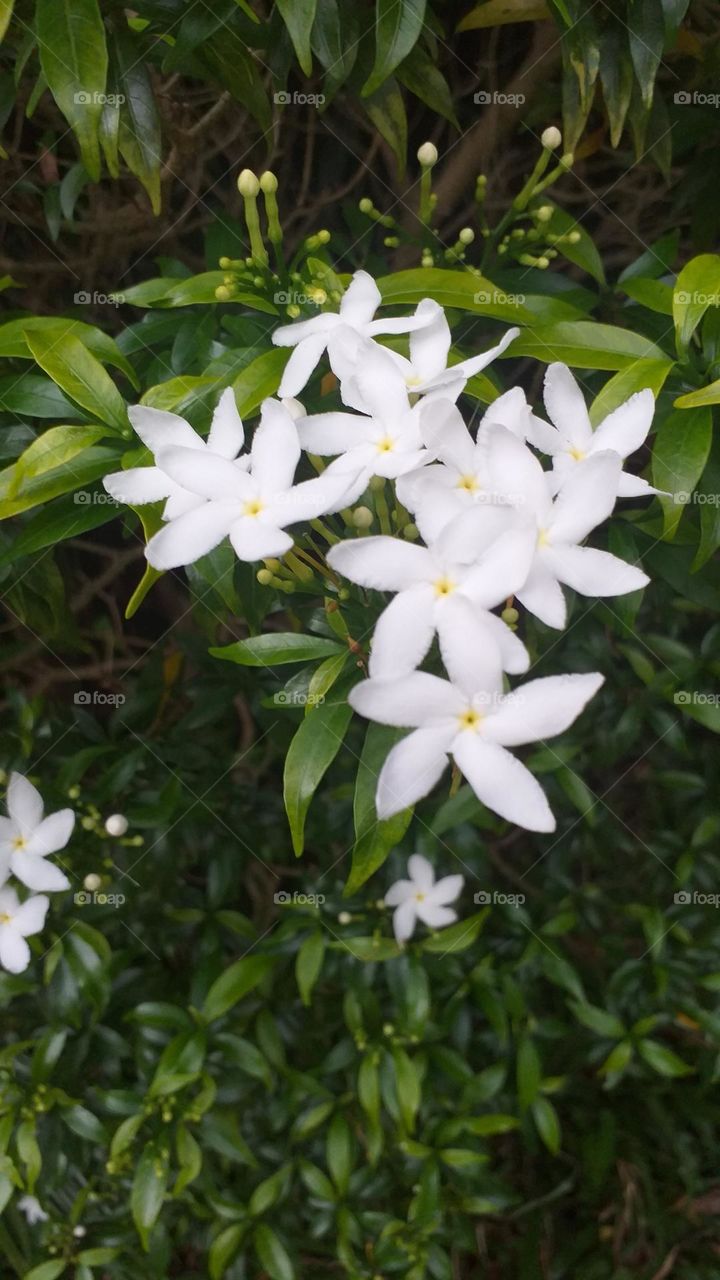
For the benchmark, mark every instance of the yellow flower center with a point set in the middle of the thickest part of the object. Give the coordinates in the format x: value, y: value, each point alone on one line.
x: 577, y: 454
x: 419, y: 897
x: 543, y: 538
x: 5, y: 918
x: 469, y: 483
x: 444, y: 587
x: 386, y: 445
x: 19, y: 842
x: 253, y: 507
x: 470, y: 719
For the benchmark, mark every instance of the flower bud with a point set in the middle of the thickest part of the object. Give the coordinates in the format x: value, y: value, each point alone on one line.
x: 466, y: 235
x: 264, y: 577
x: 551, y: 138
x: 344, y: 917
x: 427, y: 155
x: 268, y: 183
x: 117, y: 824
x: 247, y: 183
x: 92, y: 882
x: 222, y: 293
x: 362, y: 517
x: 544, y: 213
x: 366, y: 205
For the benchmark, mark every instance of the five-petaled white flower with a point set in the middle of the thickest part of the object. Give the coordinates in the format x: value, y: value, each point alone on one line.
x: 253, y: 506
x: 160, y: 430
x: 33, y: 1210
x: 474, y: 724
x: 572, y: 439
x: 18, y: 921
x: 481, y: 557
x: 337, y: 331
x: 585, y: 500
x: 422, y: 897
x: 26, y: 838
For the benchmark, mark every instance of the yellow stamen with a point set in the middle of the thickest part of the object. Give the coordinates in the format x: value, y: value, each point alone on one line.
x: 419, y: 897
x: 386, y: 445
x: 444, y: 587
x: 468, y: 483
x: 253, y: 507
x: 19, y: 842
x: 543, y: 538
x: 470, y: 719
x: 577, y: 454
x: 5, y: 918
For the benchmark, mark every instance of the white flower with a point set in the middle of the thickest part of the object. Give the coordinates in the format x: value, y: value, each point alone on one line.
x: 384, y: 439
x: 474, y: 725
x: 480, y: 558
x: 337, y: 332
x: 32, y: 1209
x: 586, y: 499
x: 26, y: 837
x: 428, y: 369
x: 116, y: 825
x: 422, y: 898
x: 18, y: 920
x: 460, y: 479
x: 253, y: 506
x: 572, y: 439
x: 158, y: 431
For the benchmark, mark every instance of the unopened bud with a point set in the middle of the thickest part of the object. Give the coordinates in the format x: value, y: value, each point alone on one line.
x: 264, y: 577
x: 510, y: 616
x: 544, y: 213
x: 362, y: 517
x: 466, y: 235
x: 247, y: 183
x: 268, y: 183
x: 427, y: 155
x: 222, y: 293
x: 366, y: 205
x: 116, y: 825
x: 92, y: 882
x: 551, y: 138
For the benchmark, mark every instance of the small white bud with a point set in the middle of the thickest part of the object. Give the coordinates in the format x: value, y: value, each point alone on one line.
x: 92, y: 882
x: 268, y: 182
x: 362, y: 517
x: 551, y: 138
x: 427, y: 155
x: 117, y: 824
x: 247, y: 183
x: 344, y: 917
x: 466, y: 235
x: 79, y: 1232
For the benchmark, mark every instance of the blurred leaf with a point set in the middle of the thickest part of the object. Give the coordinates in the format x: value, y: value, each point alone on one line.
x: 235, y: 983
x: 646, y: 31
x: 398, y: 25
x: 583, y: 344
x: 547, y: 1123
x: 74, y: 59
x: 148, y: 1190
x: 495, y: 13
x: 374, y: 838
x: 663, y: 1060
x: 298, y: 16
x: 272, y: 1254
x: 310, y: 754
x: 308, y: 965
x: 139, y: 124
x: 386, y: 109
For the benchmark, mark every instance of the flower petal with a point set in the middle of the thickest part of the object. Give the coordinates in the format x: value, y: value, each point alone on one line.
x: 436, y: 917
x: 445, y: 434
x: 52, y: 833
x: 626, y: 428
x: 469, y: 651
x: 302, y: 362
x: 360, y: 300
x: 206, y: 474
x: 566, y: 406
x: 447, y: 890
x: 24, y: 803
x: 185, y: 540
x: 513, y: 654
x: 38, y: 873
x: 630, y: 486
x: 502, y: 783
x: 180, y: 502
x: 421, y: 872
x: 587, y: 497
x: 399, y: 892
x: 542, y: 595
x: 403, y: 633
x: 332, y: 433
x: 14, y: 950
x: 227, y: 434
x: 138, y: 485
x: 503, y: 568
x: 30, y: 917
x: 411, y: 770
x: 407, y: 702
x: 159, y: 429
x: 540, y: 709
x: 275, y: 449
x: 514, y: 472
x: 381, y: 563
x: 404, y: 920
x: 430, y: 344
x: 380, y: 384
x: 474, y: 532
x: 309, y: 499
x: 594, y: 573
x: 253, y: 539
x: 475, y: 363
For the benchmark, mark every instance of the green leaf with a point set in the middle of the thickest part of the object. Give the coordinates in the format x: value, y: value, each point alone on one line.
x: 386, y: 109
x: 696, y: 288
x: 370, y: 950
x: 224, y: 1248
x: 84, y: 1124
x: 663, y: 1060
x: 374, y: 838
x: 583, y: 253
x: 74, y: 59
x: 528, y: 1072
x: 599, y: 1020
x: 14, y: 344
x: 583, y: 344
x: 681, y: 449
x: 646, y: 29
x: 260, y: 379
x: 407, y: 1084
x: 708, y: 489
x: 139, y: 123
x: 457, y: 937
x: 616, y: 77
x: 148, y: 1190
x: 496, y: 13
x: 420, y: 75
x: 235, y: 983
x: 697, y: 399
x: 634, y: 377
x: 6, y: 9
x: 461, y: 289
x: 334, y: 43
x: 86, y: 469
x: 308, y: 965
x: 653, y: 294
x: 398, y: 25
x: 547, y: 1123
x: 69, y: 363
x: 272, y: 1254
x: 276, y: 648
x: 338, y: 1153
x: 298, y: 16
x: 54, y: 448
x: 311, y: 752
x: 46, y: 1271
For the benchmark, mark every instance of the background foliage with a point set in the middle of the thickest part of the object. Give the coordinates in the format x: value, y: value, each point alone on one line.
x: 207, y: 1078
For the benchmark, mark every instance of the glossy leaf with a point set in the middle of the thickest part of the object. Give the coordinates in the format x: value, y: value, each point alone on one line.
x: 310, y: 754
x: 69, y: 363
x: 74, y: 59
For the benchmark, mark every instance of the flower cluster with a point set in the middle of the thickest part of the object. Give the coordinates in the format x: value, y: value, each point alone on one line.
x: 26, y: 840
x: 496, y: 525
